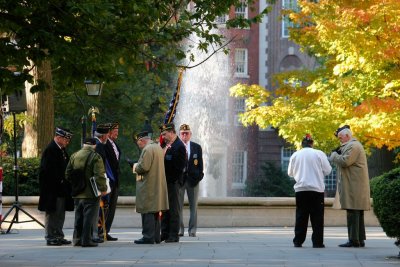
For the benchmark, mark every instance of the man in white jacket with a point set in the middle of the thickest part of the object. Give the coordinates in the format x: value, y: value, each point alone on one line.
x: 308, y: 167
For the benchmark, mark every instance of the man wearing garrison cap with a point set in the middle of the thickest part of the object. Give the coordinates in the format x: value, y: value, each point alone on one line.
x: 175, y: 164
x: 113, y: 155
x: 55, y: 192
x: 151, y: 187
x: 87, y: 201
x: 100, y: 136
x: 353, y: 188
x: 193, y: 175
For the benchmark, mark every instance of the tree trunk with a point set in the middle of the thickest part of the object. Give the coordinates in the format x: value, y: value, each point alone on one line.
x: 40, y: 108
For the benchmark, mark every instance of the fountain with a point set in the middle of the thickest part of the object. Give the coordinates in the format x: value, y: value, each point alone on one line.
x: 204, y: 106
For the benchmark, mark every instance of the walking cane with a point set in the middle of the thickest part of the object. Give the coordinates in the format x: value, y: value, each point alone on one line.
x: 103, y: 221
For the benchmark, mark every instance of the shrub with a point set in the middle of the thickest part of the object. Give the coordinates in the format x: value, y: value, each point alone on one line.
x: 273, y: 183
x: 28, y: 176
x: 385, y: 191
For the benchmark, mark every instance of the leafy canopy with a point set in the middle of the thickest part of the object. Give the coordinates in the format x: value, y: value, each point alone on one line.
x: 357, y: 79
x: 93, y: 39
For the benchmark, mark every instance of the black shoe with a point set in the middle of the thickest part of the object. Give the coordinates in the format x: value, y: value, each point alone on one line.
x: 362, y: 244
x: 90, y: 244
x: 143, y: 241
x: 192, y: 235
x: 318, y: 246
x: 172, y: 240
x: 97, y: 240
x: 297, y: 245
x: 163, y: 238
x: 350, y: 244
x: 54, y: 242
x: 64, y: 241
x: 181, y: 234
x: 110, y: 238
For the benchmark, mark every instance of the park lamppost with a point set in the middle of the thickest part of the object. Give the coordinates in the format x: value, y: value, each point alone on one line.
x: 93, y: 88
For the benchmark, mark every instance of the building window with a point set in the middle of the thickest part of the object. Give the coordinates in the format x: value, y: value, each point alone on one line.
x: 286, y: 23
x: 221, y: 20
x: 330, y: 183
x: 241, y: 62
x: 239, y: 107
x: 239, y: 169
x: 241, y: 11
x: 286, y: 153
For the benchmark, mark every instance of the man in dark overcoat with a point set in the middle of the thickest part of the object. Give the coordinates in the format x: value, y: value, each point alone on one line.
x: 113, y: 155
x: 55, y: 192
x: 175, y: 164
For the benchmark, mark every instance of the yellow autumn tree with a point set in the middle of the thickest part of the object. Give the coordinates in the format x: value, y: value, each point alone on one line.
x: 357, y: 81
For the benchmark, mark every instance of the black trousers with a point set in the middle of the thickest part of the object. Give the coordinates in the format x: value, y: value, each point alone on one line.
x: 112, y: 205
x: 151, y: 227
x: 355, y: 225
x: 309, y: 204
x: 86, y: 210
x: 170, y: 218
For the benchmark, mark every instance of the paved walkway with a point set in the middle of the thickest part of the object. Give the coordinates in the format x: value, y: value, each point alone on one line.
x: 271, y: 246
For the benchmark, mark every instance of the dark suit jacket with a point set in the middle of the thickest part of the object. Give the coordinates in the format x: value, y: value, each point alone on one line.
x: 112, y: 159
x: 52, y: 183
x: 175, y: 162
x: 194, y: 173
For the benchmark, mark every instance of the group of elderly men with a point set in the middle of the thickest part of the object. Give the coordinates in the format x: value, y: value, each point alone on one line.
x: 164, y: 171
x: 98, y: 158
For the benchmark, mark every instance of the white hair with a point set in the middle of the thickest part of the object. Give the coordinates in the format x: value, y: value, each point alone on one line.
x: 346, y: 131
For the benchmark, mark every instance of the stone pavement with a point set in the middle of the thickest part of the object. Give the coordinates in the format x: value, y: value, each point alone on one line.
x: 255, y: 246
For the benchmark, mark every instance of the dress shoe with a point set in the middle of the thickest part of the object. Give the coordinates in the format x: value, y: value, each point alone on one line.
x: 54, y: 242
x: 172, y: 240
x: 90, y: 244
x: 297, y: 245
x: 163, y: 238
x: 110, y: 238
x: 350, y: 244
x: 318, y: 246
x: 362, y: 244
x: 97, y: 240
x: 192, y: 235
x: 64, y: 241
x: 181, y: 234
x: 143, y: 241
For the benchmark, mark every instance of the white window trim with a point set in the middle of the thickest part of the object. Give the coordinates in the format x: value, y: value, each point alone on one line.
x: 245, y: 73
x: 246, y: 11
x: 242, y: 185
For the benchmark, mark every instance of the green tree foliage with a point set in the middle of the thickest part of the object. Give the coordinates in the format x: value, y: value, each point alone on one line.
x: 273, y: 183
x: 385, y: 191
x: 93, y: 39
x: 356, y: 81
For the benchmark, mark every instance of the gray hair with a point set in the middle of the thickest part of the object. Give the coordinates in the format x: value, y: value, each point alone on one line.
x: 346, y: 131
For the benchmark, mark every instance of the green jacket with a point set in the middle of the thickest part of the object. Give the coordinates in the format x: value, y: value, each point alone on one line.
x: 95, y: 167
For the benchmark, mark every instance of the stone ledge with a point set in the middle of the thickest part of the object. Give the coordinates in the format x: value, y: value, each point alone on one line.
x: 212, y: 212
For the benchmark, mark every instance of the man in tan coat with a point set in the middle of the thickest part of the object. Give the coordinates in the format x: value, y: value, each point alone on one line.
x: 353, y: 184
x: 151, y: 188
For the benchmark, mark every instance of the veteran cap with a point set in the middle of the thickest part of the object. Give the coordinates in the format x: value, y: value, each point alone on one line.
x: 141, y: 135
x: 89, y: 141
x: 184, y: 127
x: 102, y: 129
x: 167, y: 127
x: 341, y: 129
x: 63, y: 132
